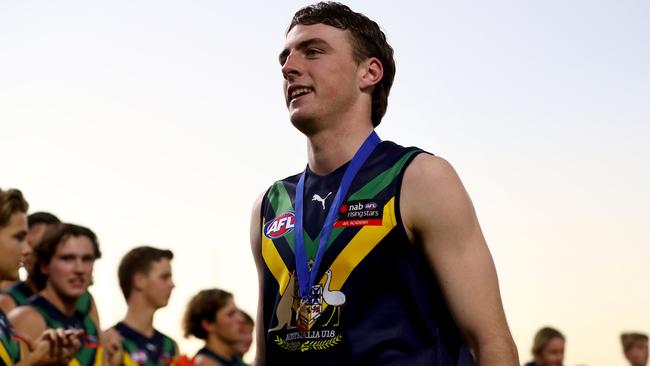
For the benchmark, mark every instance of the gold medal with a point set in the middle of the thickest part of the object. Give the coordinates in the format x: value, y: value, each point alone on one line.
x: 302, y: 317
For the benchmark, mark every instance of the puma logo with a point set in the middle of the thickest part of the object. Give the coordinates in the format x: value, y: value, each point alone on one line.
x: 318, y: 198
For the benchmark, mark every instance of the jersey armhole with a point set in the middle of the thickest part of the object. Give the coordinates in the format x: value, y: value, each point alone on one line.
x: 398, y: 191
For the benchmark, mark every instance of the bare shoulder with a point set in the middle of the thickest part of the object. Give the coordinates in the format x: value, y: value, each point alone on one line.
x: 432, y: 194
x: 201, y: 360
x: 24, y: 313
x: 28, y: 321
x: 7, y: 303
x: 428, y: 169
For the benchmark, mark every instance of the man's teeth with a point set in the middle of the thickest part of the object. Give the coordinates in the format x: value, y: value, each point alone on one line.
x: 300, y: 91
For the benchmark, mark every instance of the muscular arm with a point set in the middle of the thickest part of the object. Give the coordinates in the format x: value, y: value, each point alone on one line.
x: 256, y: 247
x: 439, y: 215
x: 27, y: 322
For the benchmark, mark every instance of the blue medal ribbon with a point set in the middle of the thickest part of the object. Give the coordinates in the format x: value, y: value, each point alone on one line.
x: 306, y: 280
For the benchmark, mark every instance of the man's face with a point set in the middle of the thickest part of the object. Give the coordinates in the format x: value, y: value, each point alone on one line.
x: 228, y: 322
x: 245, y: 338
x: 321, y: 77
x: 638, y: 353
x: 34, y: 235
x: 157, y: 284
x: 12, y: 240
x: 71, y: 269
x: 552, y: 354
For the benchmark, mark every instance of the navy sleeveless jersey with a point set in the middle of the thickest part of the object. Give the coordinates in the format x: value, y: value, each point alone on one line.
x: 21, y: 293
x: 91, y: 352
x: 157, y: 350
x: 376, y: 301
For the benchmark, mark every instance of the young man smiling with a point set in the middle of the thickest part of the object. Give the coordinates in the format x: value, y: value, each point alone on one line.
x: 63, y: 269
x: 373, y: 255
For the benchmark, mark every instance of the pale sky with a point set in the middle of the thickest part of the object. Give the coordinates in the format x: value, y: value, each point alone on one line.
x: 159, y: 122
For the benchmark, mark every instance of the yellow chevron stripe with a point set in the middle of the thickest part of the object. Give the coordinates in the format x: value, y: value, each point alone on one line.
x: 99, y: 356
x: 358, y: 248
x: 274, y: 262
x: 4, y: 355
x: 127, y: 360
x: 74, y: 362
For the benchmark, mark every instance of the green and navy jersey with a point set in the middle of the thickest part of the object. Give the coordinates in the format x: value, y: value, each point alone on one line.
x: 90, y: 353
x: 376, y: 301
x: 21, y: 293
x: 157, y: 350
x: 9, y: 347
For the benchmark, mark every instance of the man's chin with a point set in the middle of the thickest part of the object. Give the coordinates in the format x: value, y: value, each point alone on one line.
x: 303, y: 123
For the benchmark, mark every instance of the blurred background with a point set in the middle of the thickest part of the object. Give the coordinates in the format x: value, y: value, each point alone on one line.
x: 160, y: 122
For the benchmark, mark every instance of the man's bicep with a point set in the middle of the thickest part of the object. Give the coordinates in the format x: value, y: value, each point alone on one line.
x: 256, y: 248
x: 440, y: 217
x: 27, y: 322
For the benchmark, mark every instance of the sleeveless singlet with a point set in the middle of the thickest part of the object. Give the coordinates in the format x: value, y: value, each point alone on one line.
x: 157, y: 350
x: 377, y: 301
x: 91, y: 353
x: 21, y: 293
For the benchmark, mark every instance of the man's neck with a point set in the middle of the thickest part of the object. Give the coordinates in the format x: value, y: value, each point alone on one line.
x: 139, y: 317
x: 64, y: 304
x: 329, y: 149
x: 222, y: 349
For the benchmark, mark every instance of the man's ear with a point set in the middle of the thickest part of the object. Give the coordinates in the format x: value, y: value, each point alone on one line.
x: 207, y: 325
x: 139, y: 280
x: 372, y: 71
x: 44, y: 269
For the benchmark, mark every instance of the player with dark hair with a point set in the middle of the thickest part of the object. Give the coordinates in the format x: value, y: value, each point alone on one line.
x: 373, y: 255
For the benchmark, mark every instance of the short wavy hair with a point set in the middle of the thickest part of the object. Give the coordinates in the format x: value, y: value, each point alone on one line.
x: 11, y: 201
x: 368, y: 40
x: 543, y: 338
x: 203, y: 306
x: 45, y: 249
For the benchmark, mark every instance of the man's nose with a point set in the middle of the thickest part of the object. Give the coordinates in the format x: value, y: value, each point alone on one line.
x: 291, y: 66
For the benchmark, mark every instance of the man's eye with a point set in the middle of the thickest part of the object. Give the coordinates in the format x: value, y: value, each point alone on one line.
x: 312, y: 52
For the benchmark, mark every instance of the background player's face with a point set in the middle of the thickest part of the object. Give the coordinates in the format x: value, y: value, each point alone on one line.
x: 34, y: 235
x: 638, y: 353
x: 158, y: 283
x: 317, y: 60
x: 245, y: 338
x: 71, y: 269
x: 12, y: 239
x: 552, y: 354
x: 228, y: 322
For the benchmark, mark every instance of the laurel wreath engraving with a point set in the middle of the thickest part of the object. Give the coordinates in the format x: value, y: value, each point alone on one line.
x: 308, y: 345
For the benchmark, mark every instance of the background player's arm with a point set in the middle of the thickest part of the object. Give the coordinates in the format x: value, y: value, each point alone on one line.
x: 256, y: 247
x: 112, y: 342
x: 53, y: 347
x: 27, y: 322
x: 7, y: 303
x: 439, y: 215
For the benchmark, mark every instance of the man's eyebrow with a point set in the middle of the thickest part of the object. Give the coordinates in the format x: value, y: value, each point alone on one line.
x: 301, y: 46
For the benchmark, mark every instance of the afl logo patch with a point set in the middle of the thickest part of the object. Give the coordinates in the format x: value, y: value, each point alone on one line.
x: 280, y: 226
